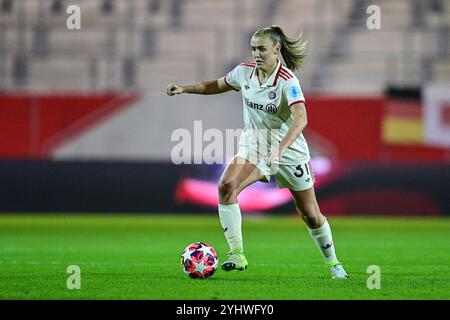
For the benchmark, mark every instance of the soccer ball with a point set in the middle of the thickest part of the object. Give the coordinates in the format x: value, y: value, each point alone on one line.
x: 199, y: 260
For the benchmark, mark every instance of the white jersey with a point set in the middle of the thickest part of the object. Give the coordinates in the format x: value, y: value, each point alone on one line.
x: 267, y: 107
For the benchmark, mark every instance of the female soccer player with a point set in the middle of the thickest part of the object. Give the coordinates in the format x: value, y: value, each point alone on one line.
x: 272, y: 143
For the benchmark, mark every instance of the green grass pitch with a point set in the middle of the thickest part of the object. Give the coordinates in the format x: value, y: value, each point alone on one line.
x: 138, y: 257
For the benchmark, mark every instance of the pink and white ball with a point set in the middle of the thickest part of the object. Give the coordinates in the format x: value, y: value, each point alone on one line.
x: 199, y: 260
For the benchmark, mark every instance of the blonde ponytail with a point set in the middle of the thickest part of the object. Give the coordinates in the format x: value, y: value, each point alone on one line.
x: 292, y: 50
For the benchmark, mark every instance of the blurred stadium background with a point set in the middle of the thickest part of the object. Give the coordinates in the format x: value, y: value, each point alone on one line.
x: 86, y: 125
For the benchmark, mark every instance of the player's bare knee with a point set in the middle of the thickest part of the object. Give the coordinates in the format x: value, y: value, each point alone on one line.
x: 227, y: 188
x: 307, y: 208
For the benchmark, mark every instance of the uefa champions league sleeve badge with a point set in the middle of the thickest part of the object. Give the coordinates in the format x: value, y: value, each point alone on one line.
x: 294, y: 92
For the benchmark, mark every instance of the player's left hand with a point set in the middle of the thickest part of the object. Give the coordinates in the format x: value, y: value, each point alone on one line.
x: 273, y: 156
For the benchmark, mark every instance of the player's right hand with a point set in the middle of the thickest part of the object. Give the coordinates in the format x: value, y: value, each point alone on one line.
x: 173, y: 89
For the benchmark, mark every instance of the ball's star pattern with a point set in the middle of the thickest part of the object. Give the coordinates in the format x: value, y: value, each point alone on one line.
x: 200, y: 267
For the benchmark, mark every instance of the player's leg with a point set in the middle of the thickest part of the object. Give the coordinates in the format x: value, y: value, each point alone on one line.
x: 239, y: 174
x: 319, y: 229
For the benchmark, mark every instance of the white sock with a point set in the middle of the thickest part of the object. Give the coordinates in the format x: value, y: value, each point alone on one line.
x: 324, y: 241
x: 231, y: 220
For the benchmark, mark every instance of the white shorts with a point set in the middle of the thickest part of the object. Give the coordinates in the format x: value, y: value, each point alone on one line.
x: 296, y: 177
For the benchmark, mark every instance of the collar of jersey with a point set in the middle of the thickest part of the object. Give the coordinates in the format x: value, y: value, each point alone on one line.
x: 272, y: 81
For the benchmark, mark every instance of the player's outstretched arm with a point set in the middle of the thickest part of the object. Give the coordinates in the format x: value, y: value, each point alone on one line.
x: 205, y: 87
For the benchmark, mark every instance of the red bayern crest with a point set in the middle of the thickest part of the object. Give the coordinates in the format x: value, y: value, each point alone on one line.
x: 272, y: 95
